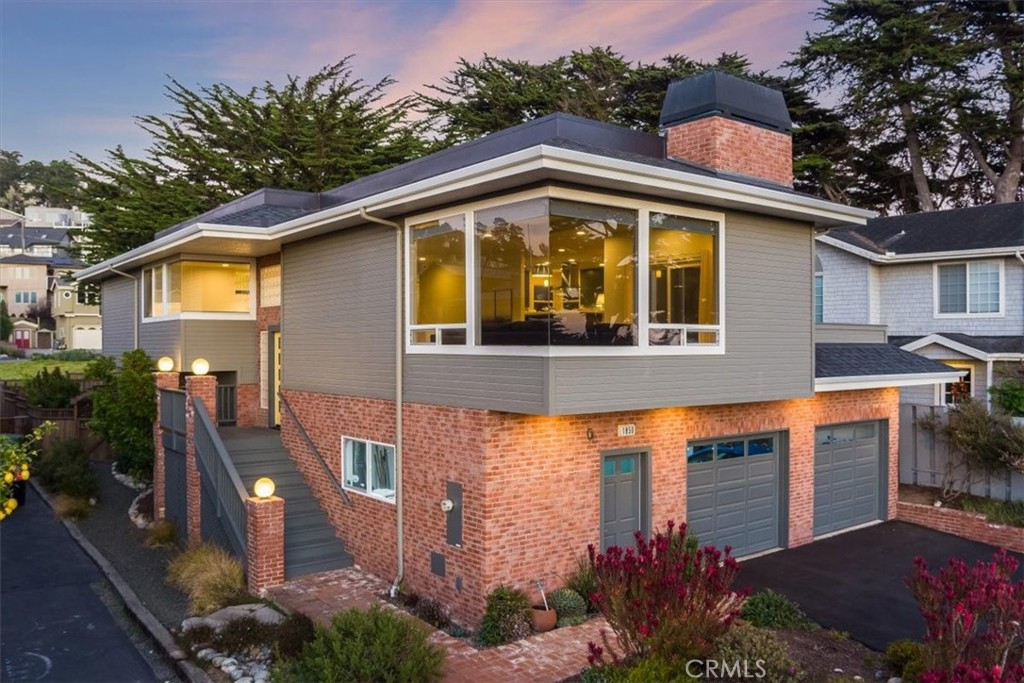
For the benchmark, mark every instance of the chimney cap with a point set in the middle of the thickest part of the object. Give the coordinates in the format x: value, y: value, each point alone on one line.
x: 715, y: 93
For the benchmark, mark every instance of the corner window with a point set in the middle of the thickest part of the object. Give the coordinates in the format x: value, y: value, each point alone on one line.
x: 270, y: 285
x: 563, y: 272
x: 369, y: 467
x: 198, y: 289
x: 973, y: 288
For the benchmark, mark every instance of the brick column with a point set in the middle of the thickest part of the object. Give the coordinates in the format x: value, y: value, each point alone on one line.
x: 203, y: 387
x: 163, y: 380
x: 264, y: 533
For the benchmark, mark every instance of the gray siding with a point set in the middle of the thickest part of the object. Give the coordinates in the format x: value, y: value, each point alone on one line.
x: 853, y: 334
x: 117, y: 309
x: 908, y: 304
x: 338, y: 313
x: 508, y: 383
x: 162, y: 338
x: 229, y: 345
x: 847, y: 286
x: 768, y: 351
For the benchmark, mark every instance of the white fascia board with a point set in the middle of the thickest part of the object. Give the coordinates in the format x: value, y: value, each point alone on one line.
x: 882, y: 381
x: 948, y: 343
x: 523, y: 161
x: 889, y: 259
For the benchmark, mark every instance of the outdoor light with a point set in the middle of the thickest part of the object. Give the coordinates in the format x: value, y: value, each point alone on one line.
x: 264, y: 487
x: 200, y: 366
x: 165, y: 364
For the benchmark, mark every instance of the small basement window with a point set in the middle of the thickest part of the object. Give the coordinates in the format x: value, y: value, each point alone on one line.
x: 368, y: 467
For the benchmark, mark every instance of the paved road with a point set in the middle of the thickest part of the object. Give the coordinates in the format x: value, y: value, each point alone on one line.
x: 55, y: 624
x: 853, y: 582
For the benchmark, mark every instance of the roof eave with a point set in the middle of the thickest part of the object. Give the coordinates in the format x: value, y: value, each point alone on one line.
x: 953, y: 255
x: 854, y: 382
x: 537, y: 158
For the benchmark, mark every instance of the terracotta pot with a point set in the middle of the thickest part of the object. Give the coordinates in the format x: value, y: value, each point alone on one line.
x: 543, y: 619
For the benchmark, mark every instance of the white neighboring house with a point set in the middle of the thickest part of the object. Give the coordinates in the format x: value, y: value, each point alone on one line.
x: 948, y: 284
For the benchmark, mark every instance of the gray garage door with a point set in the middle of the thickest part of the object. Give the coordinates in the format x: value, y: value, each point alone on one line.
x: 732, y: 492
x: 847, y: 478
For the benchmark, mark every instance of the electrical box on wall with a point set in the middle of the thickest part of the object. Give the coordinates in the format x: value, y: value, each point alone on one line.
x: 453, y: 529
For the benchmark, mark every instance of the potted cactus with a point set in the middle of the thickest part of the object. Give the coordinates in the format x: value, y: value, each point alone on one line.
x: 542, y: 617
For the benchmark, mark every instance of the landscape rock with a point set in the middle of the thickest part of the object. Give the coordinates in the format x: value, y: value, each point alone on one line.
x: 268, y: 615
x: 206, y: 653
x: 191, y: 622
x: 217, y: 661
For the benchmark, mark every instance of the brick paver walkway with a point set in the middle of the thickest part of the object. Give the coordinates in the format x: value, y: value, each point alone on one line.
x: 543, y: 658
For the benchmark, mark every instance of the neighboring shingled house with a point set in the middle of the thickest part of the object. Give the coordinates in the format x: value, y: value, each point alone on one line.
x: 484, y: 360
x: 948, y: 284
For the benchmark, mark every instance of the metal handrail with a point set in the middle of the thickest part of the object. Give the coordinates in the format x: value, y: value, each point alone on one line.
x: 218, y: 466
x: 313, y: 449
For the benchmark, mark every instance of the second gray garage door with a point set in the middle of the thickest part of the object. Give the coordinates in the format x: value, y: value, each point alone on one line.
x: 849, y: 485
x: 732, y: 492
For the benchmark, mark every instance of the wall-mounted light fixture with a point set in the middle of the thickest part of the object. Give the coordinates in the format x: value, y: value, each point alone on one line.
x: 590, y: 434
x: 264, y: 487
x: 200, y: 366
x: 165, y: 364
x: 447, y: 505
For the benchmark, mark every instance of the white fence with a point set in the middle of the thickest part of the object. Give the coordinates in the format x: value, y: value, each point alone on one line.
x: 924, y: 457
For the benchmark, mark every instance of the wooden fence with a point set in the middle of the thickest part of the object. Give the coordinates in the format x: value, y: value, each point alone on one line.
x: 18, y: 417
x: 924, y: 457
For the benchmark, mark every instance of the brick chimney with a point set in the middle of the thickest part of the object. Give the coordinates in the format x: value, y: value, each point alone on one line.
x: 729, y: 124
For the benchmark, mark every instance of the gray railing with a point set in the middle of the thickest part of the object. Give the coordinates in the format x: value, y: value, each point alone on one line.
x: 313, y: 449
x: 227, y: 405
x: 216, y: 468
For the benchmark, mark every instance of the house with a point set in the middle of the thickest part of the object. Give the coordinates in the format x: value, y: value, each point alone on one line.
x: 949, y: 285
x: 76, y: 312
x: 486, y: 359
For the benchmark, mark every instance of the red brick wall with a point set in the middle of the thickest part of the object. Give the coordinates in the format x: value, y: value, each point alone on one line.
x: 248, y: 400
x: 163, y: 380
x: 264, y: 547
x: 205, y: 388
x: 964, y: 524
x: 733, y: 146
x: 532, y: 483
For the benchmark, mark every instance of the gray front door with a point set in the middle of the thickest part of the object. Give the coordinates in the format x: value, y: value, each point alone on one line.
x: 623, y: 499
x: 732, y: 492
x: 847, y: 476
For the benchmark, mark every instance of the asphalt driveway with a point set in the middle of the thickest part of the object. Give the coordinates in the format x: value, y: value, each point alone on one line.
x: 854, y: 582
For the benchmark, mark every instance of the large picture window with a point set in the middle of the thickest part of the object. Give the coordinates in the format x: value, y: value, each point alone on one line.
x: 369, y: 467
x: 197, y: 287
x: 969, y: 288
x: 551, y: 270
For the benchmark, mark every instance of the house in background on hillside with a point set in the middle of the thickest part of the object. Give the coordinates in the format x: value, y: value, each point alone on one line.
x: 948, y: 285
x: 486, y: 359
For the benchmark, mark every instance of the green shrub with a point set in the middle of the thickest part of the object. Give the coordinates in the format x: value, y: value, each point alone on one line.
x: 570, y: 605
x: 292, y: 635
x: 73, y: 355
x: 747, y: 643
x: 51, y: 389
x: 64, y: 468
x: 209, y: 576
x: 197, y: 637
x: 583, y: 581
x: 647, y: 670
x: 769, y: 609
x: 996, y: 511
x: 124, y: 407
x: 507, y: 617
x: 903, y: 657
x: 360, y: 646
x: 66, y: 507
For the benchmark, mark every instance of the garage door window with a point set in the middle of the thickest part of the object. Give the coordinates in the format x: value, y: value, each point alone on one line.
x: 726, y: 450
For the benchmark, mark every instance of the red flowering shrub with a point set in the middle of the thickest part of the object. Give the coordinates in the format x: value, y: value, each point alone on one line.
x: 973, y: 619
x: 665, y: 597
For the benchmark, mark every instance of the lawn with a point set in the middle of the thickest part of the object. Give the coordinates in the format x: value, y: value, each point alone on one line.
x: 26, y: 369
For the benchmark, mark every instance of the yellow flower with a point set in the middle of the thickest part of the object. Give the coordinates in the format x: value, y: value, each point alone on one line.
x: 11, y: 504
x: 8, y: 477
x: 24, y: 474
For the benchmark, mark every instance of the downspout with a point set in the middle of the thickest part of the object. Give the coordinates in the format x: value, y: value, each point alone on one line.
x: 136, y: 314
x: 399, y: 394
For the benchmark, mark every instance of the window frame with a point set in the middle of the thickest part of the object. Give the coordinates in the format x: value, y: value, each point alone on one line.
x: 369, y: 468
x: 643, y: 207
x: 1001, y: 313
x: 941, y: 390
x: 253, y: 286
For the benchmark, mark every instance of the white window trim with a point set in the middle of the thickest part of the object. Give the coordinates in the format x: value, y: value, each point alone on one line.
x: 250, y: 315
x: 643, y: 208
x: 1001, y: 313
x: 940, y: 389
x: 369, y: 469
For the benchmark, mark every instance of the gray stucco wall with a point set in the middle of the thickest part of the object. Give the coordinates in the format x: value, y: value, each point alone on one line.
x: 846, y: 286
x: 338, y: 313
x: 162, y: 338
x: 908, y: 304
x: 229, y: 345
x: 116, y: 307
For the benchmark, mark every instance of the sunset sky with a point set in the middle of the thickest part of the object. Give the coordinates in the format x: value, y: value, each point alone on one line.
x: 72, y: 74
